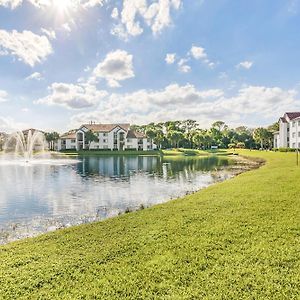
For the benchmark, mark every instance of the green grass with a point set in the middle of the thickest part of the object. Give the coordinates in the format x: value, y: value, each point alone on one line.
x: 172, y: 152
x: 235, y: 240
x: 193, y: 152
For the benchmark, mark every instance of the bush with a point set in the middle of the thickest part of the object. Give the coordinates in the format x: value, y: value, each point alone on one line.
x: 286, y: 149
x: 241, y: 145
x: 231, y: 146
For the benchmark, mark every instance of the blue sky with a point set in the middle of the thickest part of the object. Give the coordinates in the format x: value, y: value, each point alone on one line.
x: 67, y: 62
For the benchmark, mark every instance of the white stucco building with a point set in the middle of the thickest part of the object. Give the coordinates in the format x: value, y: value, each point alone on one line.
x: 110, y: 137
x: 288, y: 135
x: 67, y: 141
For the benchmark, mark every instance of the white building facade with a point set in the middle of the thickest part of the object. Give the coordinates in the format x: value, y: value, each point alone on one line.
x: 288, y: 135
x: 109, y: 137
x: 67, y: 141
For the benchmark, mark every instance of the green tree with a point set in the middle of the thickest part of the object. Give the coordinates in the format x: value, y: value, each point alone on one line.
x: 274, y: 127
x: 51, y: 138
x: 90, y: 137
x: 175, y: 137
x: 261, y: 136
x: 199, y: 138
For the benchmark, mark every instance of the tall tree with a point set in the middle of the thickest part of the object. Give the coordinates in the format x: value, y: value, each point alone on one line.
x: 90, y: 137
x: 175, y: 137
x: 51, y: 138
x: 261, y: 136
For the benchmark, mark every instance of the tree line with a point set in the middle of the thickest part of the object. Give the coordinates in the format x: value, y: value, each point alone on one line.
x: 188, y: 134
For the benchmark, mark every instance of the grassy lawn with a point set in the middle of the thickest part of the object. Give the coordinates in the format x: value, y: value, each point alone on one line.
x: 194, y: 152
x: 239, y: 239
x: 172, y: 152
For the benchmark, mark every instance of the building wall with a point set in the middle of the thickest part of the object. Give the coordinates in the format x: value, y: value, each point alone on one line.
x: 294, y: 134
x: 276, y: 140
x: 107, y: 141
x: 66, y: 144
x: 283, y: 131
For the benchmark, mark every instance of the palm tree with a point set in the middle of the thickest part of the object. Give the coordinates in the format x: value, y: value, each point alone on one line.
x: 261, y: 135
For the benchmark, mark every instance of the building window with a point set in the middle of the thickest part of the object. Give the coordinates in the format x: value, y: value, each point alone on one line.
x: 299, y: 134
x: 105, y: 147
x: 104, y: 140
x: 73, y: 141
x: 129, y: 140
x: 293, y: 124
x: 105, y: 134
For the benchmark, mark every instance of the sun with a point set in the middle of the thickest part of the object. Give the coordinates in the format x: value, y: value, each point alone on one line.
x: 63, y: 6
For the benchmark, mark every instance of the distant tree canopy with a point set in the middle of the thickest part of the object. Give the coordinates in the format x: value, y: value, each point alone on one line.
x: 188, y: 134
x: 51, y: 138
x: 90, y: 137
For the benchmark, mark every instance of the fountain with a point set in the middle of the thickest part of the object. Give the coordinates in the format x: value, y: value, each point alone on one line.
x: 29, y: 147
x: 23, y: 145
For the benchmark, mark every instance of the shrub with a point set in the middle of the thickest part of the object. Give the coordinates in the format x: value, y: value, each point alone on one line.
x: 241, y: 145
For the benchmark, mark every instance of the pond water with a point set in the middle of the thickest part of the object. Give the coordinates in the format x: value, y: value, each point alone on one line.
x: 39, y: 198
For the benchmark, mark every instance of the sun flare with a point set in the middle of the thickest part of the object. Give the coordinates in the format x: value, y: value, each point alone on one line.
x: 63, y: 5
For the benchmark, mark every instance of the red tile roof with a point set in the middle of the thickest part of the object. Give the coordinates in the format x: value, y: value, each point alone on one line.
x: 68, y: 135
x: 293, y: 115
x: 105, y: 127
x: 135, y: 134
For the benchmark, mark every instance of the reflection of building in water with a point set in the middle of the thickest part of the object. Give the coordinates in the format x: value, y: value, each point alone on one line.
x: 118, y: 166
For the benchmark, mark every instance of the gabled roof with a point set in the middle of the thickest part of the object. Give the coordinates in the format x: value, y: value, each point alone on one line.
x: 132, y: 134
x: 292, y: 115
x: 105, y: 127
x: 68, y: 135
x: 283, y: 120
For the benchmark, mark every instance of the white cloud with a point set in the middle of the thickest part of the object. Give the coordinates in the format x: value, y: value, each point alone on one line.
x: 245, y: 65
x: 35, y: 76
x: 115, y: 13
x: 73, y: 96
x: 66, y: 27
x: 3, y: 96
x: 8, y: 125
x: 198, y: 52
x: 170, y: 58
x: 26, y: 46
x: 183, y: 102
x: 10, y: 3
x: 49, y: 32
x: 183, y: 67
x: 117, y: 66
x: 75, y: 4
x: 156, y: 15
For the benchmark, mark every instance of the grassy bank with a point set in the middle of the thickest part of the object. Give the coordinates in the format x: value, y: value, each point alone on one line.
x: 235, y: 240
x: 99, y: 152
x: 172, y: 152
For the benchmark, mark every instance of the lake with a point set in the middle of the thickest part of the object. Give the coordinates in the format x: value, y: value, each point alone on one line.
x: 39, y: 198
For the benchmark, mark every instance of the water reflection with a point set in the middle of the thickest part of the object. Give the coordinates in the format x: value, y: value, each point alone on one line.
x: 39, y: 198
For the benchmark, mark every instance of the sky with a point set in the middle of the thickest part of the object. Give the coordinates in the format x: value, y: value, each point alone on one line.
x: 68, y: 62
